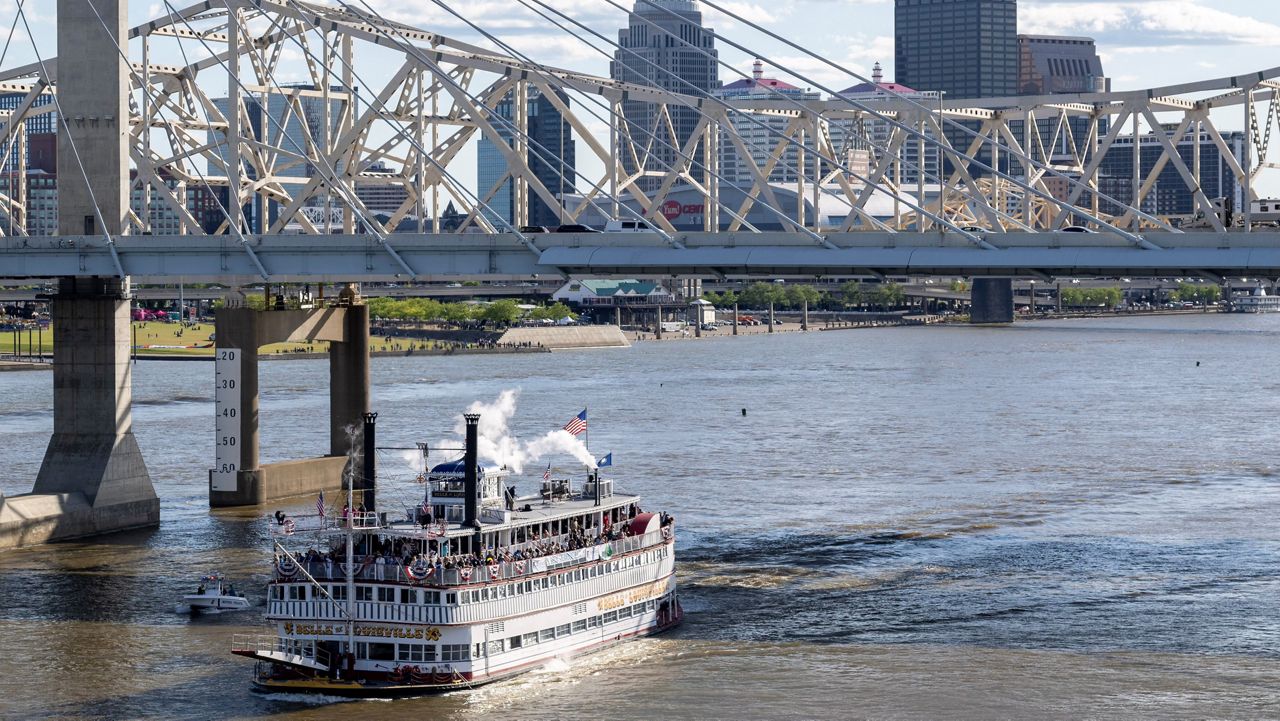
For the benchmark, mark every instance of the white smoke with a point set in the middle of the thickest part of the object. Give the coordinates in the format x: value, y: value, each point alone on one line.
x: 497, y: 445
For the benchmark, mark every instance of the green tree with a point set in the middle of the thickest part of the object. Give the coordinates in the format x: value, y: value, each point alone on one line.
x: 959, y: 286
x: 556, y: 311
x: 500, y: 313
x: 852, y: 293
x: 888, y: 295
x: 798, y: 294
x: 757, y: 296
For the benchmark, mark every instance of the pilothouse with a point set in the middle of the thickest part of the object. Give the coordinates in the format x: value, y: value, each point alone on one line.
x: 476, y: 584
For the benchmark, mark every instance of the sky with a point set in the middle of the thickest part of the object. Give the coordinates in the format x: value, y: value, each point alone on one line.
x: 1143, y: 43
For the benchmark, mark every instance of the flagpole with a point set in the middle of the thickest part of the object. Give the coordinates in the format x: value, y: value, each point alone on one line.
x: 587, y: 431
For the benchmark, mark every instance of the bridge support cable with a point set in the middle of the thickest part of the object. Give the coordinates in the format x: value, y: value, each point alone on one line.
x: 777, y: 155
x: 641, y: 198
x: 482, y: 202
x: 520, y: 135
x: 84, y: 174
x: 1131, y: 237
x: 780, y: 159
x: 761, y: 183
x: 146, y: 90
x: 873, y: 183
x: 324, y: 166
x: 380, y: 107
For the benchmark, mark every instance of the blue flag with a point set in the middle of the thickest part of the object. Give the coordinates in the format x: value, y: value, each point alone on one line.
x: 605, y: 462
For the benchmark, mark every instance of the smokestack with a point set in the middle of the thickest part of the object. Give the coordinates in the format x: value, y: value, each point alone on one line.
x: 370, y: 482
x: 471, y: 463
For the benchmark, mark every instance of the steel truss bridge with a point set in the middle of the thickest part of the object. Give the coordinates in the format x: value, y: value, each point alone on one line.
x: 1011, y: 175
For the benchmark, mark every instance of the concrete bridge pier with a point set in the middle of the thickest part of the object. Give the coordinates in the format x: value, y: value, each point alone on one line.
x: 93, y: 479
x: 991, y: 301
x: 239, y: 478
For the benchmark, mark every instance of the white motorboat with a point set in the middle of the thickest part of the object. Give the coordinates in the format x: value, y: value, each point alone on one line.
x: 215, y: 594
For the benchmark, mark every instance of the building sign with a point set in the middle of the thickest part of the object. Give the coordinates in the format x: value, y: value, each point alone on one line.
x: 672, y: 209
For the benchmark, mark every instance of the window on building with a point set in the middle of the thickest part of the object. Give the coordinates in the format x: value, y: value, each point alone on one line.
x: 382, y: 652
x: 364, y: 593
x: 386, y: 594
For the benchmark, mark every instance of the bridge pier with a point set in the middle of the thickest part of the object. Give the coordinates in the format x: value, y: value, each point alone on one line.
x: 991, y: 301
x: 735, y: 318
x: 238, y: 478
x: 93, y: 479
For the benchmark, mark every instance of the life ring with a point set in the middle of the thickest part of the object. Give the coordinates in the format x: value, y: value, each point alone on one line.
x: 666, y: 533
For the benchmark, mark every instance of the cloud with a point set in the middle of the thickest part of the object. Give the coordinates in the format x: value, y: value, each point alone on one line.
x: 1187, y: 22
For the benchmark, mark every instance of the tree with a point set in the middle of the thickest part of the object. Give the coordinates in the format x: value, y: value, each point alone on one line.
x: 888, y: 295
x: 852, y: 293
x: 959, y: 286
x: 797, y: 295
x: 500, y: 313
x: 556, y: 311
x: 1202, y: 294
x: 758, y: 296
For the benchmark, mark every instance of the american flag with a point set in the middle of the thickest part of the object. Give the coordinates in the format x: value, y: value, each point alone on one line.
x: 546, y: 475
x: 578, y: 425
x: 320, y: 504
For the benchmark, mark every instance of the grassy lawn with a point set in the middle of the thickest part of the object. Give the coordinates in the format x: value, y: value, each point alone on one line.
x: 153, y: 333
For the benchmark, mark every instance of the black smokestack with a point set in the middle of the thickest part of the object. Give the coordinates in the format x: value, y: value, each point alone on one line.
x: 370, y: 482
x: 471, y: 471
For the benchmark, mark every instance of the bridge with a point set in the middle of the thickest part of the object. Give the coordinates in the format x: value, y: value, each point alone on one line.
x: 183, y: 156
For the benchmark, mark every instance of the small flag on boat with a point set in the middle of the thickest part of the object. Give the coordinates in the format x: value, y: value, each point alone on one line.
x: 607, y: 551
x: 546, y: 475
x: 320, y: 505
x: 605, y: 462
x: 288, y: 526
x: 578, y: 425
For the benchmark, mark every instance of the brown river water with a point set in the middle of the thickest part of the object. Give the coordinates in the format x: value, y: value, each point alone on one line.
x: 1055, y: 520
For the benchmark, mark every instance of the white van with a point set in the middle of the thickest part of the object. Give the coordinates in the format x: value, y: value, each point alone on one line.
x: 628, y: 226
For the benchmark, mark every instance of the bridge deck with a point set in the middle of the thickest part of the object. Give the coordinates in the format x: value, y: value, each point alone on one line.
x: 166, y: 259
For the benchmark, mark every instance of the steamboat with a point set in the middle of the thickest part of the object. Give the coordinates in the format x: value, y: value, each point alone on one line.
x: 475, y: 585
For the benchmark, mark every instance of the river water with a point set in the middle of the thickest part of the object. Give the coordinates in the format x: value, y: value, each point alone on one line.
x: 1055, y: 520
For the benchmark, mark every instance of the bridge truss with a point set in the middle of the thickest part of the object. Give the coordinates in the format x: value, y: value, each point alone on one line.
x: 380, y: 105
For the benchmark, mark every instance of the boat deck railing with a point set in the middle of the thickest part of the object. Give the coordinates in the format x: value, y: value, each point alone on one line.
x: 296, y: 653
x: 369, y: 568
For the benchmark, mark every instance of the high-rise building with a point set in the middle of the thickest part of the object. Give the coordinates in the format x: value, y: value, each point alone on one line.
x: 45, y: 124
x: 551, y: 157
x: 964, y: 48
x: 665, y: 47
x: 1171, y: 194
x: 1052, y: 64
x: 762, y: 133
x: 285, y: 127
x: 874, y: 135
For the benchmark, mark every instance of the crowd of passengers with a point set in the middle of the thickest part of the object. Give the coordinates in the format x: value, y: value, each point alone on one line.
x: 437, y: 558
